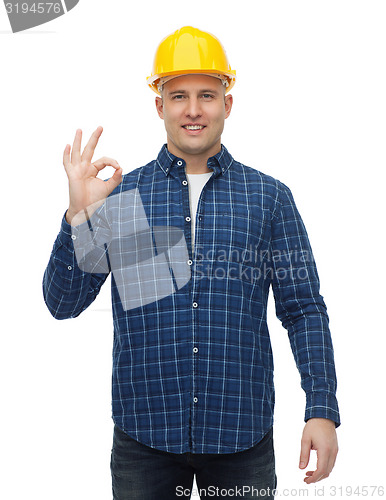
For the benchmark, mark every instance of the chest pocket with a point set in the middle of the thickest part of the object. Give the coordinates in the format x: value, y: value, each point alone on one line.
x: 242, y: 235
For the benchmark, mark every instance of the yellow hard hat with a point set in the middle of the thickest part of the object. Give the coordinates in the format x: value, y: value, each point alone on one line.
x: 189, y: 51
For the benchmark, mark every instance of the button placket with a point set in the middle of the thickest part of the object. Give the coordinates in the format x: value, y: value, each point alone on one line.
x: 187, y: 231
x: 195, y: 304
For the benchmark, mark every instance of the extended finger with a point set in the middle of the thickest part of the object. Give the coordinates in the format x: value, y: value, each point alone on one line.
x: 66, y: 156
x: 91, y: 145
x: 106, y: 162
x: 75, y: 155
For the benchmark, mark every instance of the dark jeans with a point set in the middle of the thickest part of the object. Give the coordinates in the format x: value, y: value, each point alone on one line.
x: 140, y: 472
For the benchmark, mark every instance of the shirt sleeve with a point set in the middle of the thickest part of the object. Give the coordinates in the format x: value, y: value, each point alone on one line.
x: 69, y: 288
x: 301, y: 308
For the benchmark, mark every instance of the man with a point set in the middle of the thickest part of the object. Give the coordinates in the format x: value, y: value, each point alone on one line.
x: 192, y: 370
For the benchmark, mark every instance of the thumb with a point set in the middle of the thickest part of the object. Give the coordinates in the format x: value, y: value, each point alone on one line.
x: 304, y: 452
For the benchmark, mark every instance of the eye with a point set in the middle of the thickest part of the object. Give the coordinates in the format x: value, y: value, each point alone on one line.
x: 207, y: 96
x: 178, y: 97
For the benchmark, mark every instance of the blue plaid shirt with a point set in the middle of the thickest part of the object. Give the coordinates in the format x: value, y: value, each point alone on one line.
x: 193, y: 371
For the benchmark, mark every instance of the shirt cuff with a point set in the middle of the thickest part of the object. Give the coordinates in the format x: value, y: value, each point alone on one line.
x: 66, y: 233
x: 69, y: 233
x: 322, y: 405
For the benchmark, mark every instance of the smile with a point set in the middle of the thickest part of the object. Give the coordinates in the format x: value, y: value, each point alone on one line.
x: 193, y: 127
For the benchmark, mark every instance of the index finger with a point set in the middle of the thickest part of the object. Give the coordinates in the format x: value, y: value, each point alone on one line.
x: 91, y: 145
x: 75, y: 155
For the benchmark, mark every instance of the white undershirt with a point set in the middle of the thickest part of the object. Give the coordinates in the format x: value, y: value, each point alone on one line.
x: 196, y: 182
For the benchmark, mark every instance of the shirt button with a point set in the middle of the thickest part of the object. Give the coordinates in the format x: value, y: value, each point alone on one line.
x: 195, y: 304
x: 195, y: 349
x: 69, y: 268
x: 179, y: 163
x: 184, y: 182
x: 187, y: 219
x: 73, y: 237
x: 195, y: 400
x: 190, y: 262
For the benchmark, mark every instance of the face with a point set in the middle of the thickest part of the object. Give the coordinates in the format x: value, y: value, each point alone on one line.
x: 194, y: 108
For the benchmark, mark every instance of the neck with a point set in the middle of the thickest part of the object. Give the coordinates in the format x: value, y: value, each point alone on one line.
x: 197, y: 169
x: 195, y: 163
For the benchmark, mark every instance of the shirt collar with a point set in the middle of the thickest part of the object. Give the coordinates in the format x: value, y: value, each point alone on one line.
x: 218, y: 163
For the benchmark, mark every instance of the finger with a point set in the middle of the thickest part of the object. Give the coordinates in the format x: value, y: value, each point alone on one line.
x: 106, y: 162
x: 304, y: 453
x: 314, y: 477
x: 115, y: 180
x: 66, y: 156
x: 321, y: 467
x: 325, y: 462
x: 91, y: 145
x: 310, y: 477
x: 75, y: 155
x: 331, y: 460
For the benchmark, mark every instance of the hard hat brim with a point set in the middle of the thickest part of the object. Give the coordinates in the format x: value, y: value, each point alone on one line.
x: 153, y: 80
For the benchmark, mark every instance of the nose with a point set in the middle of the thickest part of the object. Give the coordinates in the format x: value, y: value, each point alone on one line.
x: 193, y: 108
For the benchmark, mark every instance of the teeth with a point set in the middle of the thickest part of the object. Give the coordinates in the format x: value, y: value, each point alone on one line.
x: 193, y: 127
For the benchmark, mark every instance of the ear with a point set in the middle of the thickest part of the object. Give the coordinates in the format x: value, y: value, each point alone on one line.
x: 228, y: 105
x: 160, y: 107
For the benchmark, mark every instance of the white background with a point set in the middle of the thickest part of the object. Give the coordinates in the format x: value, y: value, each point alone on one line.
x: 309, y: 109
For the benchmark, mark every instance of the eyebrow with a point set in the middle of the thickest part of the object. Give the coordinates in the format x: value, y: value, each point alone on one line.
x: 212, y: 91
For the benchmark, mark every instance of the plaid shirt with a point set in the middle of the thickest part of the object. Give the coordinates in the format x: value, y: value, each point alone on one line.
x: 193, y: 368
